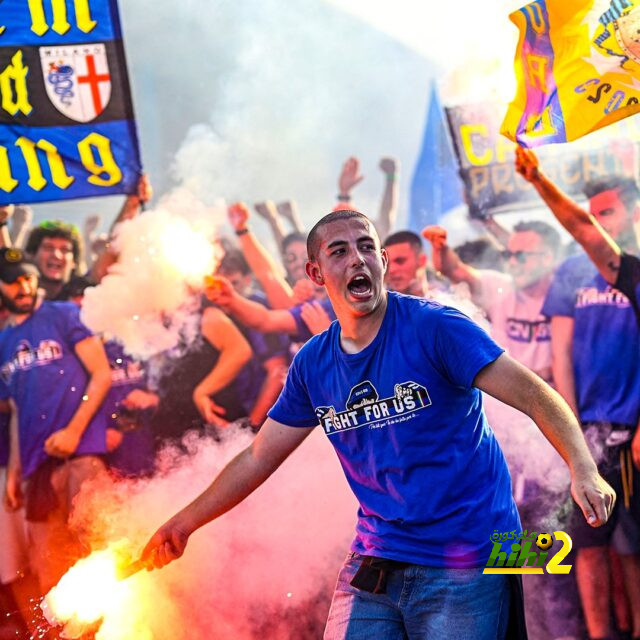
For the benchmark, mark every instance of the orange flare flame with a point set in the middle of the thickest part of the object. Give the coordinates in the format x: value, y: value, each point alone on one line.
x: 92, y: 593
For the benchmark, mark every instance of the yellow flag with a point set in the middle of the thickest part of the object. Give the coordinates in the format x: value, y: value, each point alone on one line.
x: 577, y: 66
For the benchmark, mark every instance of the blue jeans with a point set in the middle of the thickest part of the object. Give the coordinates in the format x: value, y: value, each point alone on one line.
x: 420, y: 603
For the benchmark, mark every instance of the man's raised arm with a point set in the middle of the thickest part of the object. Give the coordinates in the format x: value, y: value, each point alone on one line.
x: 247, y: 312
x: 585, y: 229
x: 390, y: 196
x: 265, y: 269
x: 447, y: 261
x: 241, y: 477
x: 512, y: 383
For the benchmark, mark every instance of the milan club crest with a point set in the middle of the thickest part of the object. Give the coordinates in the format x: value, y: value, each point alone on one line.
x: 77, y: 79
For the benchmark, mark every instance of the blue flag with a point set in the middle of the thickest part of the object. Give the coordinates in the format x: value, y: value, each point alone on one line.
x: 67, y: 128
x: 436, y: 186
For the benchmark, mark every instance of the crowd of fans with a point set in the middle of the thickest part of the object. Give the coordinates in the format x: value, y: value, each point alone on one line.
x: 74, y: 405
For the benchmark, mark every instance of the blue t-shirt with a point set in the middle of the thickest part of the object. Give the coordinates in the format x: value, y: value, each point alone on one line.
x: 606, y: 342
x: 303, y: 333
x: 410, y: 433
x: 41, y: 372
x: 136, y: 453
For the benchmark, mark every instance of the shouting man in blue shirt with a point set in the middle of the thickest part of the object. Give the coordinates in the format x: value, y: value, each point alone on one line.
x: 395, y: 384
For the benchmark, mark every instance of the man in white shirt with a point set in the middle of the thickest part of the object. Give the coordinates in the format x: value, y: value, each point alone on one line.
x: 511, y: 301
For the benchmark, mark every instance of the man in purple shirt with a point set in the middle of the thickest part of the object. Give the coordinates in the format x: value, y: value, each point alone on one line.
x: 55, y: 374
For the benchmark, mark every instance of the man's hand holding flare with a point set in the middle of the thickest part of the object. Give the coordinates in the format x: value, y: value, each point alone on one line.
x: 219, y: 291
x: 167, y: 544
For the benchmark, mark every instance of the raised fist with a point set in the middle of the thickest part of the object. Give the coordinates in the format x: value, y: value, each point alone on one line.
x: 527, y: 164
x: 389, y: 166
x: 436, y: 235
x: 238, y: 214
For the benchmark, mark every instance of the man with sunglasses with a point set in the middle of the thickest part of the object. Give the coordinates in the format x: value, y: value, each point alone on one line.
x: 512, y: 301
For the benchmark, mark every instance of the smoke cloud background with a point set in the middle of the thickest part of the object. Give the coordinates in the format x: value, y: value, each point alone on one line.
x: 149, y: 300
x: 273, y: 558
x: 284, y: 92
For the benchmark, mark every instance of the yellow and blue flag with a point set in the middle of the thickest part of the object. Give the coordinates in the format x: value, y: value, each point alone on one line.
x: 577, y: 66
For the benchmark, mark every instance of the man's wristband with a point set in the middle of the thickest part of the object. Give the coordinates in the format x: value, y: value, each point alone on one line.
x: 4, y: 223
x: 344, y: 197
x: 241, y: 232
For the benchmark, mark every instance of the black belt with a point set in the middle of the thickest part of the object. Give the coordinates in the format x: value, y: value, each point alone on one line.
x: 373, y: 572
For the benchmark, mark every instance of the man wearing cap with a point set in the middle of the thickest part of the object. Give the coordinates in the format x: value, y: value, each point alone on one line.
x: 55, y: 375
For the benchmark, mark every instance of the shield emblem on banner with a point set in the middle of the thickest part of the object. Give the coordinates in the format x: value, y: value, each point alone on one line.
x: 77, y: 79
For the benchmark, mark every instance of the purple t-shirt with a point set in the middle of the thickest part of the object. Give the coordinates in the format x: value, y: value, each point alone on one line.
x: 606, y: 342
x: 303, y: 333
x: 40, y: 371
x: 135, y: 455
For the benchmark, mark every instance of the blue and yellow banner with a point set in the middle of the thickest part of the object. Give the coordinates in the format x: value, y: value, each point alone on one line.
x: 486, y: 160
x: 577, y: 66
x: 67, y: 128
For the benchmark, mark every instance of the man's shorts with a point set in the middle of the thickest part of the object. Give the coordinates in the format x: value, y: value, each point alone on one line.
x: 622, y: 530
x: 14, y: 557
x: 53, y: 546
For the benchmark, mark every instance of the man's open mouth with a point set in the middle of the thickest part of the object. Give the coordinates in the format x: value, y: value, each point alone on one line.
x: 53, y: 270
x: 360, y: 286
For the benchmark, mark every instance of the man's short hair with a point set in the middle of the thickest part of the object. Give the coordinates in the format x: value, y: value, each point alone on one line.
x: 549, y: 234
x: 626, y: 188
x: 313, y: 240
x: 55, y: 229
x: 294, y: 236
x: 400, y: 237
x: 481, y: 253
x: 234, y: 262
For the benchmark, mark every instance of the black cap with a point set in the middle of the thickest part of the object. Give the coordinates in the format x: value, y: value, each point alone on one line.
x: 13, y: 264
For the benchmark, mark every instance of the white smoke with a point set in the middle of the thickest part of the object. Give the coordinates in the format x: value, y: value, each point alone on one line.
x: 151, y: 294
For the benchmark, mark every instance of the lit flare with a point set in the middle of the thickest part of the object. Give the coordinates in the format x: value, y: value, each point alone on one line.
x: 91, y: 592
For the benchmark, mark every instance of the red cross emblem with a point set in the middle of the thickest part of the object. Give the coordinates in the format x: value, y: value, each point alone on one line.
x: 93, y: 79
